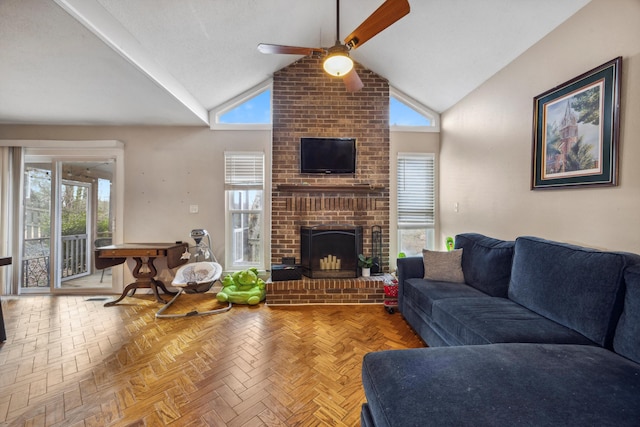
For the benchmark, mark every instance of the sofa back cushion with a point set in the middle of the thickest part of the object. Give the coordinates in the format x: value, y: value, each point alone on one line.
x: 486, y: 262
x: 627, y: 339
x: 578, y: 287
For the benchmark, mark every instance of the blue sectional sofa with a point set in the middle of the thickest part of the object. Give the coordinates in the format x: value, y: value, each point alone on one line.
x: 530, y: 333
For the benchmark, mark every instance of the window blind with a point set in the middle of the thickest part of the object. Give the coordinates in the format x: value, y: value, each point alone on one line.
x: 416, y: 190
x: 243, y: 170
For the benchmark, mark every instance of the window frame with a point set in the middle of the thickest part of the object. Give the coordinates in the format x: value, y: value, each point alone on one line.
x: 219, y: 111
x: 433, y: 116
x: 58, y: 150
x: 231, y: 188
x: 431, y: 221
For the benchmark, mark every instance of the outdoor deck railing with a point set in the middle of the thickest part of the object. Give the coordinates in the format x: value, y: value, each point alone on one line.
x: 36, y: 266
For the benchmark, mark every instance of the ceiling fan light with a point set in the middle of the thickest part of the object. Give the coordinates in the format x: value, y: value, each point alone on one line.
x: 338, y: 64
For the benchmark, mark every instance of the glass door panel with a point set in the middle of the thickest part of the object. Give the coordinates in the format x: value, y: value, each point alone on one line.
x: 75, y: 215
x: 85, y: 222
x: 36, y: 248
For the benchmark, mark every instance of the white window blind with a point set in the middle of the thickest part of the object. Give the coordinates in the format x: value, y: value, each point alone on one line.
x: 416, y: 190
x: 243, y: 170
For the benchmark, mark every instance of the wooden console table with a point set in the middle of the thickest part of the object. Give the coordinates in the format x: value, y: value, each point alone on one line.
x: 3, y: 332
x: 144, y: 272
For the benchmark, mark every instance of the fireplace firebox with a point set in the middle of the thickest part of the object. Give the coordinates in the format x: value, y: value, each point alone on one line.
x: 330, y: 251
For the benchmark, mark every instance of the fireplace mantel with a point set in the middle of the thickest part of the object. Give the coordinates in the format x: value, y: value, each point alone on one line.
x: 314, y: 188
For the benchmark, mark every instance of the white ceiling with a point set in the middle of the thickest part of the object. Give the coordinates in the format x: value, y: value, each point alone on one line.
x: 168, y: 62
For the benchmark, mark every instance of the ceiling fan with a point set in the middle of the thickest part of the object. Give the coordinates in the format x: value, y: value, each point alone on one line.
x: 337, y: 61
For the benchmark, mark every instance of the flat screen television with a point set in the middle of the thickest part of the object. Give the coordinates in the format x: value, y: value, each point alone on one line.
x: 328, y: 155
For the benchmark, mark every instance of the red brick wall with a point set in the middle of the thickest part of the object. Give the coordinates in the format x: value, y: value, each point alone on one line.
x: 309, y: 103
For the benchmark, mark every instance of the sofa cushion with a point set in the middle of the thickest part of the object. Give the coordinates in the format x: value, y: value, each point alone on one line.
x: 502, y: 384
x: 577, y: 287
x: 473, y: 321
x: 365, y: 417
x: 423, y: 293
x: 627, y: 338
x: 408, y: 267
x: 443, y: 266
x: 486, y: 262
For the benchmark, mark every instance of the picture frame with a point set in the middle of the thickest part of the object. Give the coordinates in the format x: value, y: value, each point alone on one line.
x: 576, y: 128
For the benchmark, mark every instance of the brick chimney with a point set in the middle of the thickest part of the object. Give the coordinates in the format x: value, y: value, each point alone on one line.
x: 307, y: 102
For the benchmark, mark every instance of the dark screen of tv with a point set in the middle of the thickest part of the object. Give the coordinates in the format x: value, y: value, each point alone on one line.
x: 328, y: 155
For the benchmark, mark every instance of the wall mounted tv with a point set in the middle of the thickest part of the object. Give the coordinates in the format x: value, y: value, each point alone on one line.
x: 328, y: 155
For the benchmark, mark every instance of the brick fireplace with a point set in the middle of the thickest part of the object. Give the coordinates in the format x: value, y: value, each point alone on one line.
x: 309, y: 103
x: 330, y: 251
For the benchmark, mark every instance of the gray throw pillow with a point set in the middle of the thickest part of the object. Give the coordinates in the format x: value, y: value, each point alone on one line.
x: 443, y: 266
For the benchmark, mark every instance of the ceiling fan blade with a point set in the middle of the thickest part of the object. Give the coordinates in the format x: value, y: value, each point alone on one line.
x: 352, y: 81
x: 289, y: 50
x: 387, y: 14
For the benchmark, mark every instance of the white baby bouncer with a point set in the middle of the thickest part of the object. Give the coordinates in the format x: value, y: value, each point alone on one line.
x: 196, y: 277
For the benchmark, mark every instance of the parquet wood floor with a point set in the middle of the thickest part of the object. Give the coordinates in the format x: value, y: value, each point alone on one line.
x: 69, y: 361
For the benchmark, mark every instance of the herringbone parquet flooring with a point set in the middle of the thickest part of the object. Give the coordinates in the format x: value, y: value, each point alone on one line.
x: 69, y: 361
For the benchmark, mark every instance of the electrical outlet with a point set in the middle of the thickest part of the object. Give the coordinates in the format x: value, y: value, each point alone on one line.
x: 193, y: 209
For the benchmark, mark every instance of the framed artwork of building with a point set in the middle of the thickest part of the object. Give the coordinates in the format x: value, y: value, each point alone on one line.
x: 576, y: 129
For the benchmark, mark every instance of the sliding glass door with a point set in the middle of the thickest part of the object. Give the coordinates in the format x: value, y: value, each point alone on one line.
x: 67, y: 212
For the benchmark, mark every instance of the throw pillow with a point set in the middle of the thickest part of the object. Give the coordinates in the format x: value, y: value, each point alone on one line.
x: 443, y: 266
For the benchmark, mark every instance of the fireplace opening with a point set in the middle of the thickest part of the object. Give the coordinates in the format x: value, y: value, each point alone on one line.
x: 330, y: 251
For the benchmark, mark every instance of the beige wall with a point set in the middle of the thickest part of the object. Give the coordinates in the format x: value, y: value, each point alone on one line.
x: 485, y: 163
x: 167, y: 169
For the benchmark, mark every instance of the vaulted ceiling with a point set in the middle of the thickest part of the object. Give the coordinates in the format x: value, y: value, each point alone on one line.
x: 168, y: 62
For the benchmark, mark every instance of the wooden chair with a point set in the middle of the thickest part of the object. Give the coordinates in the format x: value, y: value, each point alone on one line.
x: 100, y: 242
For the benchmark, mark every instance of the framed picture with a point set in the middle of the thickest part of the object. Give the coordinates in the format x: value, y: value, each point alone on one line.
x: 576, y: 127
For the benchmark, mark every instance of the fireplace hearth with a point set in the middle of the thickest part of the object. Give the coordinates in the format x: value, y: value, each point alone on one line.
x: 330, y: 250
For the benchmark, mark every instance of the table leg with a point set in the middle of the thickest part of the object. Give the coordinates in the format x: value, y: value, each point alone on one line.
x: 144, y: 279
x: 3, y: 332
x: 130, y: 286
x: 161, y: 285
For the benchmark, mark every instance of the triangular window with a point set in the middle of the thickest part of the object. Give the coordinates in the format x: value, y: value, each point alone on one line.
x: 400, y: 114
x: 406, y: 113
x: 249, y: 110
x: 256, y: 110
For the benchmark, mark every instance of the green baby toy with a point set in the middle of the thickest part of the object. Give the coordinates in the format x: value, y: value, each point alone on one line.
x: 449, y: 243
x: 242, y: 287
